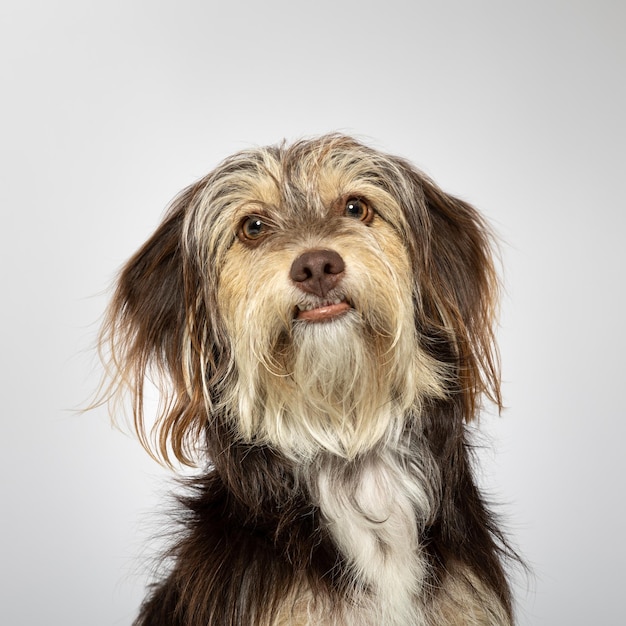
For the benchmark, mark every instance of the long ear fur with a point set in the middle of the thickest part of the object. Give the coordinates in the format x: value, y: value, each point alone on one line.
x: 457, y: 287
x: 148, y: 334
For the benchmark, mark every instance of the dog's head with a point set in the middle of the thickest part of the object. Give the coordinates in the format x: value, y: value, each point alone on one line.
x: 313, y: 296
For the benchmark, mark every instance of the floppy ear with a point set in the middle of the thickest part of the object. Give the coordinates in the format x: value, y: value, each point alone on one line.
x: 147, y: 333
x: 458, y: 293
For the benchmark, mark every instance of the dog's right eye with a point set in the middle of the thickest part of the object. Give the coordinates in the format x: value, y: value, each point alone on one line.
x: 252, y: 228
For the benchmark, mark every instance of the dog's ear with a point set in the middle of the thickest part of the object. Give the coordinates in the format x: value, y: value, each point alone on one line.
x: 458, y: 291
x: 148, y: 333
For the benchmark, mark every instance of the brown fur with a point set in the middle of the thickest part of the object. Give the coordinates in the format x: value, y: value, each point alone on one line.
x: 291, y: 420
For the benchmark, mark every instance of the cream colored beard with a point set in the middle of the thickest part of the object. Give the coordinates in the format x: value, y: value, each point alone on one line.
x: 332, y: 389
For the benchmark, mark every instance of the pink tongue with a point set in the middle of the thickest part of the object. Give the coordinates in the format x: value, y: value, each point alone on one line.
x: 323, y: 313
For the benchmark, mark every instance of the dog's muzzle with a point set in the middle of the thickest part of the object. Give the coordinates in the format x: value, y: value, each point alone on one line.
x: 318, y: 273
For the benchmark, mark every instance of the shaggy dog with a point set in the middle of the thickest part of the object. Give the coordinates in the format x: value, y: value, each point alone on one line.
x: 318, y: 318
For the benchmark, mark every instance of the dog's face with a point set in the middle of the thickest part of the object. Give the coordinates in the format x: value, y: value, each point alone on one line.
x: 316, y: 292
x: 313, y: 296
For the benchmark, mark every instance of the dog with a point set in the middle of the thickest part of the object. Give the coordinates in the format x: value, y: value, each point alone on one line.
x: 319, y: 320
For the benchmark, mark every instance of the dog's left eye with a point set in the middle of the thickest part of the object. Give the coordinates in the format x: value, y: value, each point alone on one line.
x: 359, y: 209
x: 252, y: 228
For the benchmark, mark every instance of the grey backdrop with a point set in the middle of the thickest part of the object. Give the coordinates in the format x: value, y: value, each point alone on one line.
x: 109, y: 108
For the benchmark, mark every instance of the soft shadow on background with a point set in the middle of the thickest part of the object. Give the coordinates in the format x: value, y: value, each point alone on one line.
x: 108, y: 109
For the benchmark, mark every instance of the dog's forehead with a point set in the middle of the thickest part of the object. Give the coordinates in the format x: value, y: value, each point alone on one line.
x: 305, y: 179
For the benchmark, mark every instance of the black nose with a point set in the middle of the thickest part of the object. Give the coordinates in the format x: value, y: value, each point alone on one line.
x: 317, y: 271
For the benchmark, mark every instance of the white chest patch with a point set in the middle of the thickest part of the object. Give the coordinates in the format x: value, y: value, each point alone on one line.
x: 374, y: 514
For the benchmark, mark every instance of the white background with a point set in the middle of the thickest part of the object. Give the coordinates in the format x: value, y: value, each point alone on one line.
x: 108, y: 109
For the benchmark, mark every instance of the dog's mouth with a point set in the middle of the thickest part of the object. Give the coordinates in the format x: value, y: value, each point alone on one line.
x: 322, y: 310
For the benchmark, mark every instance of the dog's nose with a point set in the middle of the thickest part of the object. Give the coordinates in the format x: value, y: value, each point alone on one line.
x: 317, y: 271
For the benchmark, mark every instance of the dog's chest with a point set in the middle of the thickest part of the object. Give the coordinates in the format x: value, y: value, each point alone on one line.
x: 374, y: 517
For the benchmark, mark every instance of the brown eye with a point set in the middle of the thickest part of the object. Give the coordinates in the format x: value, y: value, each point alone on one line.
x: 359, y: 209
x: 252, y: 228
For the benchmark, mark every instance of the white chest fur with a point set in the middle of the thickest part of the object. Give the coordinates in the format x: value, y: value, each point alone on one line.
x: 374, y: 511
